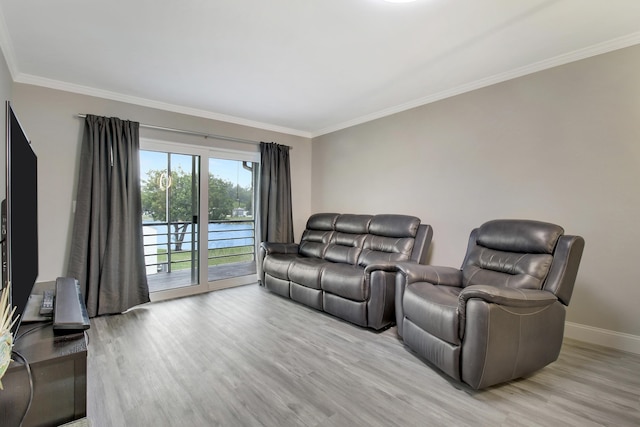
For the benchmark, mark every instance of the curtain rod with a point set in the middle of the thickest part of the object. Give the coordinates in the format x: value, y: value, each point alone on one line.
x: 191, y: 132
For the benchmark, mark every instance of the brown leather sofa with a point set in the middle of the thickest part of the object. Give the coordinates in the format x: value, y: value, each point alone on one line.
x: 345, y: 264
x: 501, y: 315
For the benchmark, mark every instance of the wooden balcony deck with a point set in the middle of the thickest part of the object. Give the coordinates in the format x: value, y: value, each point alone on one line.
x: 162, y: 281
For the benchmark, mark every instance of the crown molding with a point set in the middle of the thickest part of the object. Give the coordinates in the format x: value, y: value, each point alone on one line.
x: 115, y: 96
x: 598, y: 49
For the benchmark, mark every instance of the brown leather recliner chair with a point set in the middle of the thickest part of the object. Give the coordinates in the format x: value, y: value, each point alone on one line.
x: 501, y: 316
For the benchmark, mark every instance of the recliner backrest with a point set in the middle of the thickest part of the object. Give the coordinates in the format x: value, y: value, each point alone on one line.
x: 510, y: 253
x: 564, y: 270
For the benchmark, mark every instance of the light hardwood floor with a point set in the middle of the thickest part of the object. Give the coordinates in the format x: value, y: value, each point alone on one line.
x: 246, y: 357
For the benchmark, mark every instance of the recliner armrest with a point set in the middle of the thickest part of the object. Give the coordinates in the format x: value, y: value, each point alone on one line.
x: 279, y: 248
x: 507, y: 296
x: 437, y: 275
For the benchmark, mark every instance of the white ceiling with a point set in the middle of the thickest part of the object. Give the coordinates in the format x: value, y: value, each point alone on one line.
x: 305, y: 67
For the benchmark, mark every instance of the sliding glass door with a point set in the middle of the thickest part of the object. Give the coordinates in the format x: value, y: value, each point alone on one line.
x: 170, y: 205
x: 182, y: 185
x: 231, y: 230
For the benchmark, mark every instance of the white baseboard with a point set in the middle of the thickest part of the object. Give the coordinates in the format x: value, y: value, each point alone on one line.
x: 604, y: 337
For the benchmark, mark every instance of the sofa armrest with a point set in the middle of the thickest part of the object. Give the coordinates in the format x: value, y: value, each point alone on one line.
x: 384, y: 266
x: 279, y: 248
x: 269, y: 248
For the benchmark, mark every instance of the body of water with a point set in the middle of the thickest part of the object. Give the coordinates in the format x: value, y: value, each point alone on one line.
x: 221, y: 235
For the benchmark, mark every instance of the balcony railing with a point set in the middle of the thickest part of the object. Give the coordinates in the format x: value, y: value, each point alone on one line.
x: 167, y: 250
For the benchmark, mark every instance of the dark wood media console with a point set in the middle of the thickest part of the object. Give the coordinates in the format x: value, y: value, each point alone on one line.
x: 59, y: 372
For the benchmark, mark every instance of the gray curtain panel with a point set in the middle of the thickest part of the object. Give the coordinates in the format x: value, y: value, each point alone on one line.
x: 276, y: 216
x: 107, y: 253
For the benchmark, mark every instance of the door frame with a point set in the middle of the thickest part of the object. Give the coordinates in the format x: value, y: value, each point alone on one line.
x: 204, y: 152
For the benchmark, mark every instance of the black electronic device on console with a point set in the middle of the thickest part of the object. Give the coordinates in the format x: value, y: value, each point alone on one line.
x: 69, y: 309
x: 48, y: 301
x: 19, y: 222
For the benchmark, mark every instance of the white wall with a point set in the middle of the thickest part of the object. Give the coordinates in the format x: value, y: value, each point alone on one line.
x: 49, y: 118
x: 562, y: 145
x: 6, y: 83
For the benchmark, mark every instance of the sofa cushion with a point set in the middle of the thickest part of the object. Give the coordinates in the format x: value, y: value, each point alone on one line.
x: 351, y: 311
x: 434, y: 309
x: 277, y: 265
x: 347, y: 281
x: 277, y: 285
x: 307, y: 271
x: 307, y: 296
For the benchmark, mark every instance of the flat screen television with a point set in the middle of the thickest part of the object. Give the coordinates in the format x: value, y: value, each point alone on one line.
x: 19, y: 216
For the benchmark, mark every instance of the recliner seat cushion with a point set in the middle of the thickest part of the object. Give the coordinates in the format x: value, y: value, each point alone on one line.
x: 434, y: 309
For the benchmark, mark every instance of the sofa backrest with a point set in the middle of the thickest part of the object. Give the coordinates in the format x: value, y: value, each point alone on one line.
x: 510, y: 253
x: 348, y: 240
x: 365, y: 239
x: 319, y: 232
x: 391, y: 239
